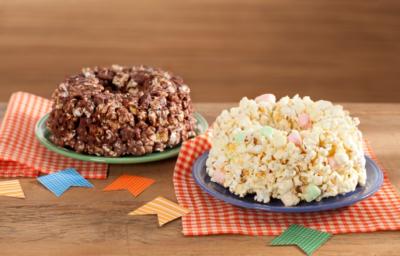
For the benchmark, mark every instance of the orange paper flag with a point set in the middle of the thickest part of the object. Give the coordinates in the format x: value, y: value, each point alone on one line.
x: 11, y: 188
x: 166, y: 210
x: 134, y: 184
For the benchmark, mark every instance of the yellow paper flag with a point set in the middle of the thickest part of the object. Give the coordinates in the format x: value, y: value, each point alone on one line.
x: 11, y: 188
x: 166, y: 210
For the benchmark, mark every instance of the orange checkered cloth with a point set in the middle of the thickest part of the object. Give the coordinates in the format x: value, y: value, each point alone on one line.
x: 210, y: 216
x: 21, y: 154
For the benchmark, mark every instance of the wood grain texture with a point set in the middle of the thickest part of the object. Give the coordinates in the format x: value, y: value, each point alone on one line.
x: 92, y: 222
x: 339, y: 50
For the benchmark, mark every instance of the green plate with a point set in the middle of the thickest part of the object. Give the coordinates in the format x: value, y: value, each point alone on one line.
x: 43, y: 135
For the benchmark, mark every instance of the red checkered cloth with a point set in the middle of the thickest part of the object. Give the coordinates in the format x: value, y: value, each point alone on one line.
x: 21, y: 154
x: 210, y: 216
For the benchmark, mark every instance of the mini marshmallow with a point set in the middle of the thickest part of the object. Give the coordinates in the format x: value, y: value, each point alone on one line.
x: 295, y: 137
x: 304, y: 121
x: 266, y: 97
x: 239, y: 137
x: 219, y: 177
x: 267, y: 131
x: 332, y: 162
x: 312, y: 192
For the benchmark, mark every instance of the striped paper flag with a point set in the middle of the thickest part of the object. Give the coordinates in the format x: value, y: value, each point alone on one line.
x: 134, y: 184
x: 11, y: 188
x: 166, y: 210
x: 60, y: 181
x: 307, y: 239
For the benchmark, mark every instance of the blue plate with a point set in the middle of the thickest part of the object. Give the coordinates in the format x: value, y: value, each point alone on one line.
x: 374, y: 182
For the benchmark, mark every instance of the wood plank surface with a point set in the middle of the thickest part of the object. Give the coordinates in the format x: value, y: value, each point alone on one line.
x: 339, y: 50
x: 91, y: 222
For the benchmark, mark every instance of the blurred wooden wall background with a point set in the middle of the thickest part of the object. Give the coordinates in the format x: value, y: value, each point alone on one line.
x: 339, y: 50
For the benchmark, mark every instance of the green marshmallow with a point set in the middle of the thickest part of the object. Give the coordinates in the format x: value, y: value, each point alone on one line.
x: 311, y: 192
x: 239, y: 137
x: 267, y: 131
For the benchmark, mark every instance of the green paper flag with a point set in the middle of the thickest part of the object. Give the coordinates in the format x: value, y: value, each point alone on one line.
x: 306, y: 239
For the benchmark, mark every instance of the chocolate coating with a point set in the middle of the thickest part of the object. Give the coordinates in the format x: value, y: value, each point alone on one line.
x: 119, y: 111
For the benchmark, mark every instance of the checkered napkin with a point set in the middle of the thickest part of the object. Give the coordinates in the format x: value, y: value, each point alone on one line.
x: 21, y: 154
x: 210, y: 216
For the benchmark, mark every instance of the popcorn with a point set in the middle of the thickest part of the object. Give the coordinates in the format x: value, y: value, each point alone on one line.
x: 293, y: 150
x: 119, y: 111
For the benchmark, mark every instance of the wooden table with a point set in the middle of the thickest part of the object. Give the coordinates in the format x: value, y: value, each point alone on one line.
x: 91, y: 222
x: 247, y: 47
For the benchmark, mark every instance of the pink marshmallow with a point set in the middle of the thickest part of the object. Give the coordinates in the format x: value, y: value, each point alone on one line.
x: 332, y: 162
x: 304, y: 121
x: 295, y: 137
x: 267, y: 98
x: 219, y: 177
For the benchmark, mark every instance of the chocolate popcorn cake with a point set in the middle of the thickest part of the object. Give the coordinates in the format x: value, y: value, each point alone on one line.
x: 121, y: 111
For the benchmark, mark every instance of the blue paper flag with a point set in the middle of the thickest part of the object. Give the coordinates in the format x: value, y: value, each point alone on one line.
x: 60, y: 181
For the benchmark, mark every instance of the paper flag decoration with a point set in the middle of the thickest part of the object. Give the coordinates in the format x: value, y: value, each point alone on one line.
x: 134, y: 184
x: 166, y: 210
x: 306, y: 239
x: 11, y: 188
x: 60, y: 181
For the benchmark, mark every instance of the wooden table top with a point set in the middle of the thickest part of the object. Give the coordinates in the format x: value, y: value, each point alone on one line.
x: 247, y: 47
x: 91, y: 222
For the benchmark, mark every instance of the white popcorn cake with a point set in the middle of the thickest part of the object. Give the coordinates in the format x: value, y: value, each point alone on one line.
x: 294, y: 150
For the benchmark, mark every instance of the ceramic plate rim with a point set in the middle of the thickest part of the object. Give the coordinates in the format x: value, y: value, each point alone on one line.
x: 41, y: 132
x: 305, y: 207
